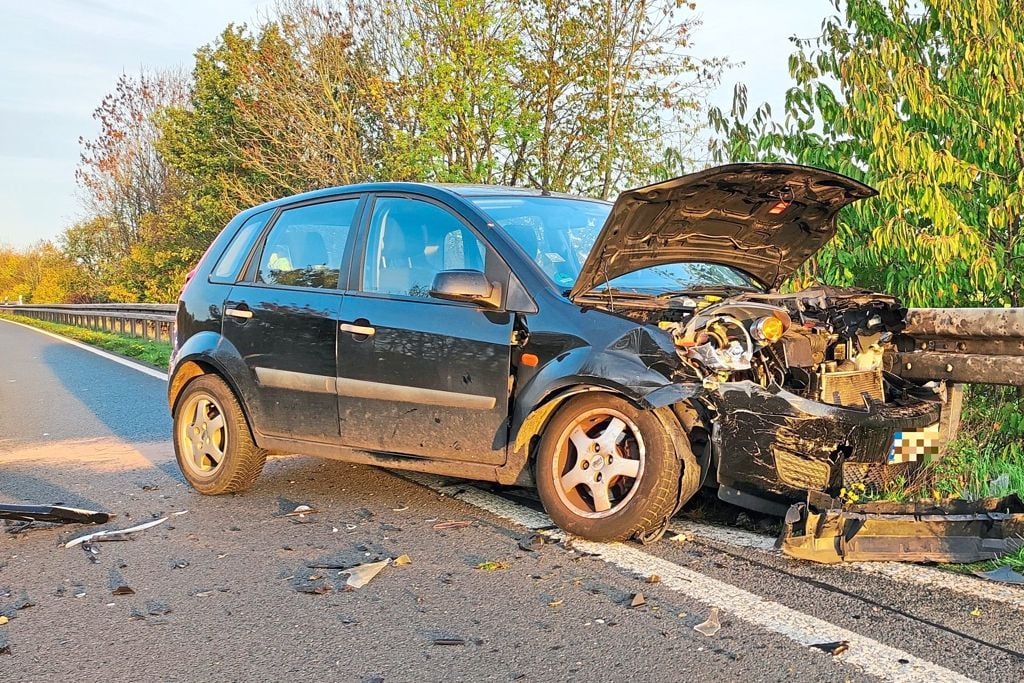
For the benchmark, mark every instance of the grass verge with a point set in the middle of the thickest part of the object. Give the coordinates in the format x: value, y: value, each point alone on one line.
x: 154, y: 353
x: 985, y: 459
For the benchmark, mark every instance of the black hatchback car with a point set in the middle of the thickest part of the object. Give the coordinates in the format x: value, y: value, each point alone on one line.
x: 616, y: 357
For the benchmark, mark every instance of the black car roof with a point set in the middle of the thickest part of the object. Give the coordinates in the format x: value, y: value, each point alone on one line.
x: 435, y: 189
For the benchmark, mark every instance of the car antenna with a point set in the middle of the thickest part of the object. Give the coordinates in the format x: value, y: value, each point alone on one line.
x: 607, y: 283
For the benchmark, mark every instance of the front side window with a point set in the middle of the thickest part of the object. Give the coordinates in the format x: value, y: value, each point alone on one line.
x: 410, y: 241
x: 306, y: 246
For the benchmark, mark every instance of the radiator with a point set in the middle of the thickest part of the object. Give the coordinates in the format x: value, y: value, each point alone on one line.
x: 847, y: 388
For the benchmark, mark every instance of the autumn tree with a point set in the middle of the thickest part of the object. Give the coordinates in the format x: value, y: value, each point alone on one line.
x: 120, y: 170
x: 924, y: 101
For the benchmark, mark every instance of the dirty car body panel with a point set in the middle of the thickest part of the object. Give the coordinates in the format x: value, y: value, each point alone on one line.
x: 339, y: 339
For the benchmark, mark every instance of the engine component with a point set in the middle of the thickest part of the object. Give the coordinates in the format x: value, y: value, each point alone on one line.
x: 723, y: 343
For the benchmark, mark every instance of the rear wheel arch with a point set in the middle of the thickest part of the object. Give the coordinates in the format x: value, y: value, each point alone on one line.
x: 190, y: 369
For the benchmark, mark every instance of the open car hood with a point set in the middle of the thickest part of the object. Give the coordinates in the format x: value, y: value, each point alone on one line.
x: 762, y: 219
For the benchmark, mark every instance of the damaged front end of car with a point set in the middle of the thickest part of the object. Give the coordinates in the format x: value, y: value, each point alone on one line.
x: 799, y: 392
x: 793, y: 391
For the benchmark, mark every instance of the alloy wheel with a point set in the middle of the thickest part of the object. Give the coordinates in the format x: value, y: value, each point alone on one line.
x: 202, y: 434
x: 599, y: 463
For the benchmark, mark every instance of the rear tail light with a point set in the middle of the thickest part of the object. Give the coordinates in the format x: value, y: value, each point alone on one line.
x: 188, y: 278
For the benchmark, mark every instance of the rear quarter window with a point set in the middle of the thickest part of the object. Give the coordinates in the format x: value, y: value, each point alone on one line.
x: 230, y: 263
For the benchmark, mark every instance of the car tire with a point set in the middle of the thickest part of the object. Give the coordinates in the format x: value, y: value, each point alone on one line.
x: 640, y: 479
x: 213, y: 444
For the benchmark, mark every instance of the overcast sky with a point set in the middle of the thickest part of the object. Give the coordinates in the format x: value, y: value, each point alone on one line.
x: 58, y: 58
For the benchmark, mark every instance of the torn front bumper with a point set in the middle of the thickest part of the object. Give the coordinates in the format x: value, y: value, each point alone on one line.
x: 773, y: 444
x: 822, y: 530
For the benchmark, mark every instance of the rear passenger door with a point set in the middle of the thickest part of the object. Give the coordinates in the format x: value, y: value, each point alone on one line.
x: 416, y: 375
x: 283, y: 318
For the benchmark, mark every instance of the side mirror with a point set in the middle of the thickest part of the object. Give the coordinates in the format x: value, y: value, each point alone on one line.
x: 470, y: 286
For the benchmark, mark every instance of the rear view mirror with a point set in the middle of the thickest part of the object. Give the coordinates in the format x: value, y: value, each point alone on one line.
x: 470, y: 286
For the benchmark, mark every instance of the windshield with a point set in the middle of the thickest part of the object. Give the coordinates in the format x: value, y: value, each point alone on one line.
x: 559, y: 233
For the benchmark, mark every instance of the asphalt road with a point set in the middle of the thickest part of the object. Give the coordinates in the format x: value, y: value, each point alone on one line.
x: 216, y: 589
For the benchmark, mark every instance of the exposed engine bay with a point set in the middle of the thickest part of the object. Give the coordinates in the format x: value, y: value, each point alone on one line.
x: 825, y: 344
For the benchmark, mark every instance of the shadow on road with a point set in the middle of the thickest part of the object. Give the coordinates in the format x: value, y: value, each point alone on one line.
x: 24, y: 487
x: 129, y: 404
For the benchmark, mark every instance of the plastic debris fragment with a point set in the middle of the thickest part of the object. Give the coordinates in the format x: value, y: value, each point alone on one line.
x: 711, y: 626
x: 110, y: 532
x: 834, y: 648
x: 1002, y: 574
x: 361, y: 575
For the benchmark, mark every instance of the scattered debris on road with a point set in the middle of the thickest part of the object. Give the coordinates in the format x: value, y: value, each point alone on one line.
x: 156, y: 608
x: 402, y: 560
x: 118, y: 586
x: 835, y: 648
x: 452, y: 524
x: 532, y: 542
x: 711, y: 626
x: 52, y: 513
x: 957, y: 531
x: 1002, y: 574
x: 23, y: 601
x: 91, y: 553
x: 301, y: 511
x: 317, y: 587
x: 492, y: 566
x: 114, y: 532
x: 449, y: 641
x: 638, y: 600
x: 361, y: 575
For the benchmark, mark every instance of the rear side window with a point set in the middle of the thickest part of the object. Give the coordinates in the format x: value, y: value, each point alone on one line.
x: 231, y: 260
x: 306, y: 246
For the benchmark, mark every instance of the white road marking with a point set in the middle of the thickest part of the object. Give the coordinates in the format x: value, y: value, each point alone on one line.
x: 99, y: 352
x: 867, y: 654
x: 907, y: 573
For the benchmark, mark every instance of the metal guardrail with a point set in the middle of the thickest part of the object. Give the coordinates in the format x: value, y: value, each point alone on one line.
x: 148, y: 321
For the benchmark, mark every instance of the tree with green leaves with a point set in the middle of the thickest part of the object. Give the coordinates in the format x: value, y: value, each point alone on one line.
x: 923, y: 100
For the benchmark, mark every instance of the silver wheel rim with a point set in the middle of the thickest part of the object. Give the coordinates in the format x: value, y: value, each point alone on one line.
x: 202, y: 435
x: 598, y: 463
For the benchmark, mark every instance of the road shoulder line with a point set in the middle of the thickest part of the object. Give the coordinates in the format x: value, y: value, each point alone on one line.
x: 92, y: 349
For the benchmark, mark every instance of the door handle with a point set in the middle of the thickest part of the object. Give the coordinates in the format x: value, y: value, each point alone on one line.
x: 243, y: 313
x: 362, y: 330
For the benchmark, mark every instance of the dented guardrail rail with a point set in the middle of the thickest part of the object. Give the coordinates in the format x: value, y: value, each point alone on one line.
x: 148, y: 321
x: 970, y: 345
